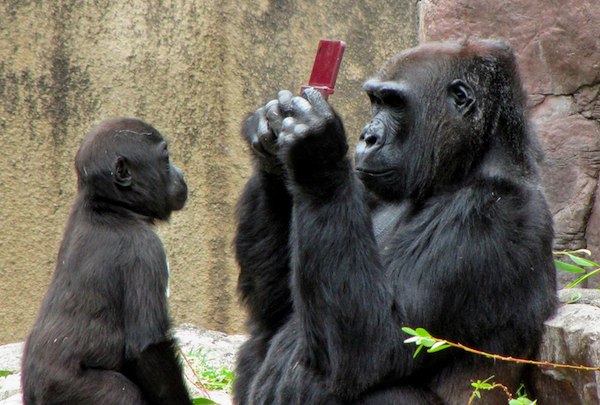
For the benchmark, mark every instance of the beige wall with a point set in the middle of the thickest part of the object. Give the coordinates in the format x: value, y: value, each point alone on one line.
x: 192, y: 69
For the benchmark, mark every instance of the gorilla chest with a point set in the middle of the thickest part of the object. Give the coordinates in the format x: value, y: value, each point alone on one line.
x: 386, y: 220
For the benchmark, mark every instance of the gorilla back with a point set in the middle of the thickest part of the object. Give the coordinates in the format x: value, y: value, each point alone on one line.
x: 440, y: 223
x: 102, y: 335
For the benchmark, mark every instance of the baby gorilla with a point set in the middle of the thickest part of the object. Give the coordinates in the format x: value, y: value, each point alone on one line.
x: 102, y: 335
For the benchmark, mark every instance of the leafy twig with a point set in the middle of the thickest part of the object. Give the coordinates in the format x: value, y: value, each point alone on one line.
x: 422, y: 338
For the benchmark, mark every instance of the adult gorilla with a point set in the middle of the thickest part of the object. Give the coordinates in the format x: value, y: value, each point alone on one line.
x: 440, y: 224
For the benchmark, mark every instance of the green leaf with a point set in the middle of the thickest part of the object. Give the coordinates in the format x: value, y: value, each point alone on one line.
x: 413, y: 339
x: 479, y: 382
x: 520, y: 401
x: 582, y: 262
x: 571, y: 268
x: 428, y: 342
x: 203, y: 401
x: 420, y: 337
x: 415, y: 354
x: 583, y: 278
x: 410, y: 331
x: 422, y: 332
x: 5, y: 373
x: 438, y: 346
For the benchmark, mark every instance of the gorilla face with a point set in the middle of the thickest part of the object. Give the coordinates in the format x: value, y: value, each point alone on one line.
x: 134, y: 170
x: 379, y: 154
x: 425, y: 127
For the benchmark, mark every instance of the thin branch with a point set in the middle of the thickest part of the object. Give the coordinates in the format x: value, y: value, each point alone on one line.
x: 198, y: 383
x: 516, y: 360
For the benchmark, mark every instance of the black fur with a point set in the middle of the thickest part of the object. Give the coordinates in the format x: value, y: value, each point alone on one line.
x: 102, y: 335
x: 440, y: 224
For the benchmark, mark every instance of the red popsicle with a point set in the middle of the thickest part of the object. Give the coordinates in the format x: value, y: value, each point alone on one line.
x: 326, y: 67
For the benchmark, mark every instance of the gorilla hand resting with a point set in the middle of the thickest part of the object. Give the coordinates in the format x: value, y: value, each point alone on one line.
x: 440, y: 224
x: 102, y: 335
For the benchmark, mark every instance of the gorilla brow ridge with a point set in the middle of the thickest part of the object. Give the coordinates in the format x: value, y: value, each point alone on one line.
x: 129, y: 131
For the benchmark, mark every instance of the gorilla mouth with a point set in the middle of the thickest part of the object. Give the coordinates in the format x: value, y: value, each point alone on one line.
x: 373, y: 173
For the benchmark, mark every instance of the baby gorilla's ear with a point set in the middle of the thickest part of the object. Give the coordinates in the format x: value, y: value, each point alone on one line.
x: 121, y: 174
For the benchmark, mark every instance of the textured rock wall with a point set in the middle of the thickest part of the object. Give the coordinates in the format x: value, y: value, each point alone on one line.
x: 571, y: 337
x: 193, y: 69
x: 558, y: 47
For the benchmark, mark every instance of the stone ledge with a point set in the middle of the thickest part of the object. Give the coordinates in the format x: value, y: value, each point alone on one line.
x: 220, y: 350
x: 572, y: 337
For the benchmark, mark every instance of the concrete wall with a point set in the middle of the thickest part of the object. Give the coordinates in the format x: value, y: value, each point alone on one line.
x: 192, y: 68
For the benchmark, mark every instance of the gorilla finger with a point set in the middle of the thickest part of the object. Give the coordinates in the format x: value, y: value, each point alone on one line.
x: 301, y: 129
x: 272, y: 105
x: 258, y: 148
x: 316, y: 99
x: 251, y: 124
x: 274, y: 116
x: 272, y: 109
x: 275, y: 126
x: 285, y: 97
x: 300, y: 105
x: 262, y: 129
x: 288, y: 125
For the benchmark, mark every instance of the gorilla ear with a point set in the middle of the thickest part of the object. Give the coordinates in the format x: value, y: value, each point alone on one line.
x: 462, y: 96
x: 121, y: 174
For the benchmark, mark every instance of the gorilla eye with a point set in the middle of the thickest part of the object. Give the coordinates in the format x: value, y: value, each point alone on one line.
x: 373, y: 98
x: 392, y: 97
x: 460, y: 97
x: 461, y: 94
x: 386, y: 97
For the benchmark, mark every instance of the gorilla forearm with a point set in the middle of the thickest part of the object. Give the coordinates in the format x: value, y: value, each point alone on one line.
x: 340, y: 292
x: 264, y: 213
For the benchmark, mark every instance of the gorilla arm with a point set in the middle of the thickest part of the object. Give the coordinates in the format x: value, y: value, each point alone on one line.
x: 263, y: 217
x: 150, y: 352
x: 341, y: 296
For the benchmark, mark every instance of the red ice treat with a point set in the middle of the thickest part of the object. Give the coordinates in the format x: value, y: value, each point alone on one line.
x: 326, y: 67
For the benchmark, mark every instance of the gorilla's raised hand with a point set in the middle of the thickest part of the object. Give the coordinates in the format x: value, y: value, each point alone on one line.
x: 261, y: 130
x: 312, y: 141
